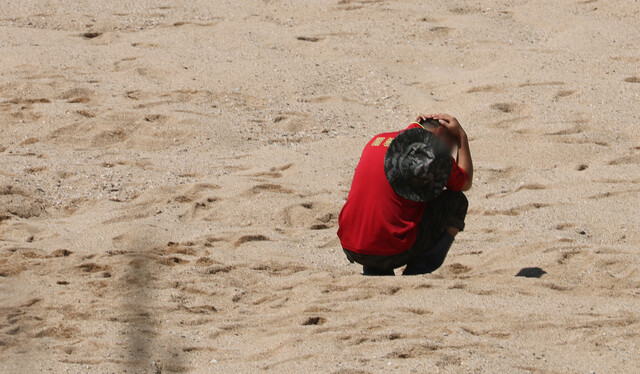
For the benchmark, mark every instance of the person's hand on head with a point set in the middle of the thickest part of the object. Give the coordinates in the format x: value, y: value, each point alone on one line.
x: 451, y: 124
x: 454, y: 129
x: 423, y: 117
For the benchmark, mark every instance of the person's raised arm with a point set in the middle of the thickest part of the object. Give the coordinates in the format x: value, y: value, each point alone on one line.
x: 464, y: 153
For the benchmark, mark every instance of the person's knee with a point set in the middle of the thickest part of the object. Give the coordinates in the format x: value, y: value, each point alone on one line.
x: 457, y: 202
x: 437, y: 264
x: 463, y: 203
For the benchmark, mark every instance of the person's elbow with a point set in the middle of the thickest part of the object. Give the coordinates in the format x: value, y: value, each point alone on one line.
x: 467, y: 185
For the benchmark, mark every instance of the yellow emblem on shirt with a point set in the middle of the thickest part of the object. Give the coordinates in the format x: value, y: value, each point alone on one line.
x: 377, y: 141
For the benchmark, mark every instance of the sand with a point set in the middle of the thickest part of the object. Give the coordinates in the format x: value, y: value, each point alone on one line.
x: 171, y: 176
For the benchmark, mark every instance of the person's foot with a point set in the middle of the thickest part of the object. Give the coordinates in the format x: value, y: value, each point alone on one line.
x: 366, y: 270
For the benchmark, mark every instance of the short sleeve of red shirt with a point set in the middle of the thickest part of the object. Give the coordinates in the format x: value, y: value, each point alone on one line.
x: 458, y: 177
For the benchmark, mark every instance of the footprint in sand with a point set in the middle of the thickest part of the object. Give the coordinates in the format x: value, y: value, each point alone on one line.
x: 76, y: 95
x: 203, y: 24
x: 515, y: 211
x: 271, y: 188
x: 275, y: 268
x: 563, y: 93
x: 198, y: 209
x: 542, y: 84
x: 626, y: 160
x: 250, y: 238
x: 314, y: 321
x: 529, y: 186
x: 462, y: 10
x: 293, y: 123
x: 415, y: 351
x: 110, y: 137
x: 522, y: 112
x: 92, y: 267
x: 274, y: 172
x: 60, y: 253
x: 174, y: 253
x: 602, y: 195
x: 576, y: 128
x: 356, y: 4
x: 486, y: 88
x: 124, y: 64
x: 507, y: 107
x: 35, y: 170
x: 458, y: 268
x: 566, y: 255
x: 441, y: 31
x: 199, y: 199
x: 313, y: 215
x: 312, y: 39
x: 15, y: 201
x: 172, y: 261
x: 91, y: 35
x: 85, y: 113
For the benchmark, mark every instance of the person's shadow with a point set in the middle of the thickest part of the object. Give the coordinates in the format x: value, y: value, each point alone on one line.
x: 533, y: 272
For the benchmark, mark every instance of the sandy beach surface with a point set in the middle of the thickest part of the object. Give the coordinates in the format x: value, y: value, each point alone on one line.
x: 171, y: 175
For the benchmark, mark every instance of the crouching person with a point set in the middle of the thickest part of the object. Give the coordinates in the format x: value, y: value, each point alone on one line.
x: 406, y: 205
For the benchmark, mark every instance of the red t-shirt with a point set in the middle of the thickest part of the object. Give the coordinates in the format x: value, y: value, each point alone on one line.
x: 375, y: 219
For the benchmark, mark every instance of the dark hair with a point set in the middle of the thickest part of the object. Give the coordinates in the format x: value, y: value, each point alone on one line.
x: 430, y: 124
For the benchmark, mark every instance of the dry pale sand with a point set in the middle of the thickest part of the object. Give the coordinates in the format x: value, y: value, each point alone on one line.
x: 172, y: 173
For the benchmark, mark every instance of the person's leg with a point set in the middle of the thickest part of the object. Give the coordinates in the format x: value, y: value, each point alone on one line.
x: 442, y: 220
x: 366, y: 270
x: 432, y: 259
x: 376, y: 265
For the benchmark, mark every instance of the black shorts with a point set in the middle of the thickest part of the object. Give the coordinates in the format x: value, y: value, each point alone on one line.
x: 449, y: 209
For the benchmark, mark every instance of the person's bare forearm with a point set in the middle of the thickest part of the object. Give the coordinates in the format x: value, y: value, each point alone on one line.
x: 464, y: 153
x: 464, y: 159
